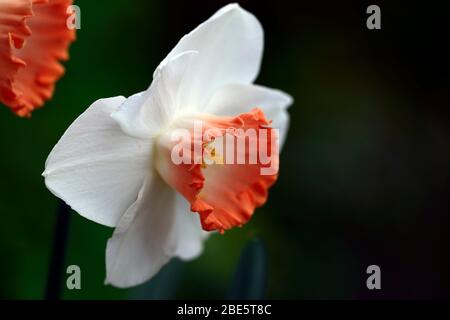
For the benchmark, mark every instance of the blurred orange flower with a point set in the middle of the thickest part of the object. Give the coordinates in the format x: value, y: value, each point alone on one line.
x: 34, y: 38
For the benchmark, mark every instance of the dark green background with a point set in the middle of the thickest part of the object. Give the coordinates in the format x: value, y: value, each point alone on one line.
x: 364, y: 173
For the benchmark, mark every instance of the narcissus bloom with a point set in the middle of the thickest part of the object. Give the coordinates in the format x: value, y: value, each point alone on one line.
x: 34, y: 37
x: 118, y: 163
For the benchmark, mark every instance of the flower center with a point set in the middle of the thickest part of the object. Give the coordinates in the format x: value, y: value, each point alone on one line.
x: 222, y: 165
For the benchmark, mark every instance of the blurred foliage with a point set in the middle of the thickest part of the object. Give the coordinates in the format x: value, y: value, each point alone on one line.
x: 250, y: 278
x: 364, y: 173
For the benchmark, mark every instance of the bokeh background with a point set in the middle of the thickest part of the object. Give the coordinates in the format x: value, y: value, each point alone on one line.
x: 365, y: 172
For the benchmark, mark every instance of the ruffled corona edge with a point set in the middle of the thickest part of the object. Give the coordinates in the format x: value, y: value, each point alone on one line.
x: 34, y: 38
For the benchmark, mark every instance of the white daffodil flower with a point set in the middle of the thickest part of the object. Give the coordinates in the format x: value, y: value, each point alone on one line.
x: 115, y: 164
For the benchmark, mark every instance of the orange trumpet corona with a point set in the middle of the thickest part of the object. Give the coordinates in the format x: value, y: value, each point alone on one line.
x: 34, y: 38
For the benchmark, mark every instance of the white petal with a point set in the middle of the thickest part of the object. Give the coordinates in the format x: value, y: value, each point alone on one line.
x: 97, y: 169
x: 145, y: 114
x: 154, y: 229
x: 189, y: 230
x: 235, y: 99
x: 230, y: 46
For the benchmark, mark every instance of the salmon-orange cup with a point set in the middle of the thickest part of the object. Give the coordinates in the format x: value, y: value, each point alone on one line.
x: 34, y: 39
